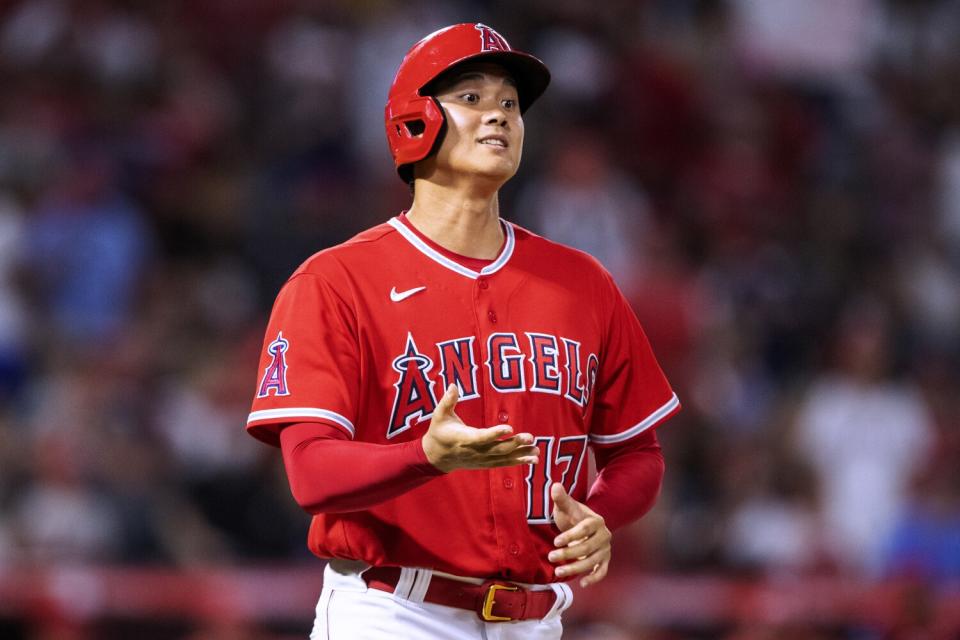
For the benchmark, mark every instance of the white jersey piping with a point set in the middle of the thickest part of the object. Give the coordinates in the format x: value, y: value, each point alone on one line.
x: 301, y: 412
x: 641, y: 426
x: 443, y: 260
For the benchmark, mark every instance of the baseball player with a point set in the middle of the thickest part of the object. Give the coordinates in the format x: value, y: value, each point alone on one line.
x: 436, y: 382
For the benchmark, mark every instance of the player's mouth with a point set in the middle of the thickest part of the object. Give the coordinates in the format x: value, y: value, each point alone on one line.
x: 495, y: 141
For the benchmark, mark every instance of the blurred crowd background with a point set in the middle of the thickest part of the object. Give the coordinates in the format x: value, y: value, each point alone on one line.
x: 775, y: 184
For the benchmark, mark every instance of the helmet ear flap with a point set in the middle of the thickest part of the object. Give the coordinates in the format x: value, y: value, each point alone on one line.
x: 414, y: 128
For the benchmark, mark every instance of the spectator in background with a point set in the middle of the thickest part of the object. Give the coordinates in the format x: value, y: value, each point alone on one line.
x: 61, y: 516
x: 925, y: 543
x: 584, y: 201
x: 928, y: 283
x: 13, y: 312
x: 88, y: 246
x: 864, y: 433
x: 774, y: 526
x: 949, y: 190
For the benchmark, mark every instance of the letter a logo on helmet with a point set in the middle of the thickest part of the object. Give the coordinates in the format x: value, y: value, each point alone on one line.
x: 415, y: 121
x: 492, y: 41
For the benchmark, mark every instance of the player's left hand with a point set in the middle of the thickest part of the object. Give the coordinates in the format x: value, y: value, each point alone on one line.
x: 584, y: 539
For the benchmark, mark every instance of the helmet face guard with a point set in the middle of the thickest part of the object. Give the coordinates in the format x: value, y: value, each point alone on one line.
x: 414, y: 121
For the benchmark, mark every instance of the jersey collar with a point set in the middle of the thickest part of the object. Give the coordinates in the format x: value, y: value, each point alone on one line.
x: 443, y: 260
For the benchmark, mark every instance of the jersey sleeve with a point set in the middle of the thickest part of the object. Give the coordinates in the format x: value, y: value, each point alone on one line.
x: 309, y: 369
x: 631, y: 393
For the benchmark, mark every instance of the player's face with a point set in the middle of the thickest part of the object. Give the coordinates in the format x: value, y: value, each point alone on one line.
x: 484, y: 137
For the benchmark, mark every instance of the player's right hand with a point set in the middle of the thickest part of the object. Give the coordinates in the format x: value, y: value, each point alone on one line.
x: 450, y: 444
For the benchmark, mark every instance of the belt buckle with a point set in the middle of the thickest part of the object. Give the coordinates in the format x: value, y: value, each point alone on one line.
x: 489, y: 600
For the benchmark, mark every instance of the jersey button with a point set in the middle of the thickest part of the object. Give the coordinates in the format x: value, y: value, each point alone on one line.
x: 492, y: 316
x: 508, y: 483
x: 514, y: 550
x: 482, y: 283
x: 503, y: 416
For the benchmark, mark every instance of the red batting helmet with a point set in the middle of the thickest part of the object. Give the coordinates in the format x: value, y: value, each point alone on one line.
x: 415, y: 121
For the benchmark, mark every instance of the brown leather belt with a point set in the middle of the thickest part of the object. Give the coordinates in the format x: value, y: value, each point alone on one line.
x: 493, y: 601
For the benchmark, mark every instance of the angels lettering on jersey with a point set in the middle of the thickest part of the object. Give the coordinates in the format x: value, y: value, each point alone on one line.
x: 535, y: 362
x: 527, y: 362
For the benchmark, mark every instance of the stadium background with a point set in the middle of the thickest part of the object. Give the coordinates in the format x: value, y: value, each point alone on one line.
x: 774, y: 183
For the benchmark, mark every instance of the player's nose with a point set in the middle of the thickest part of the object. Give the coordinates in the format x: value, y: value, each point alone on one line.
x: 495, y: 113
x: 496, y: 117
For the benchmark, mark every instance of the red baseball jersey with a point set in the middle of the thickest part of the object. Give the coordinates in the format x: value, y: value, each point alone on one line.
x: 368, y: 334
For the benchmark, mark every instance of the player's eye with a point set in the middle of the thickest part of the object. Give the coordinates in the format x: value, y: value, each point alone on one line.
x: 470, y: 98
x: 509, y: 104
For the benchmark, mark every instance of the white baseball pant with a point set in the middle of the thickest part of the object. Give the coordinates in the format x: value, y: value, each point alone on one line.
x: 349, y: 610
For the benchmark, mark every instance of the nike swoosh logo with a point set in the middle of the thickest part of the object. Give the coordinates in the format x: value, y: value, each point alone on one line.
x: 403, y: 295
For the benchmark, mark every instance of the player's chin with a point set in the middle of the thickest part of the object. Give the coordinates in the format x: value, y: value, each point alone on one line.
x: 501, y: 170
